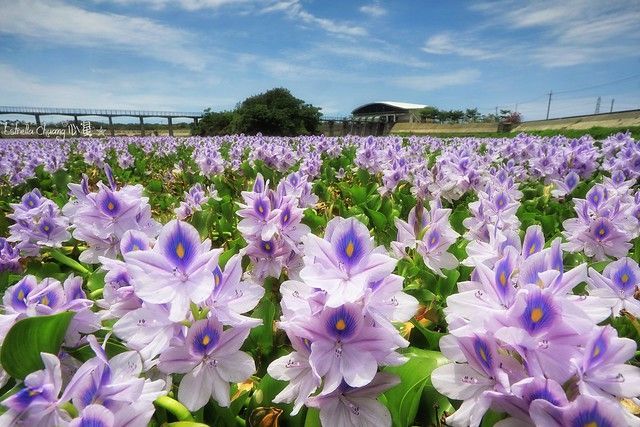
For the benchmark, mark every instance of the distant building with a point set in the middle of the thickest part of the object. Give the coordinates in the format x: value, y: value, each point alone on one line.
x: 388, y: 112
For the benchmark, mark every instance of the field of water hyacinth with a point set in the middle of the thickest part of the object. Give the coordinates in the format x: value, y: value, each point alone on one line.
x: 353, y: 281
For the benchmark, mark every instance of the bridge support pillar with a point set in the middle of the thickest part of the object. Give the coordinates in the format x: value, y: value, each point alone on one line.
x: 111, y: 129
x: 195, y: 121
x: 141, y: 126
x: 170, y: 126
x: 76, y: 122
x: 37, y: 120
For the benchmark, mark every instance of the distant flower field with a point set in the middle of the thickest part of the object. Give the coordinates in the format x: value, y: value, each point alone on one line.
x: 352, y: 281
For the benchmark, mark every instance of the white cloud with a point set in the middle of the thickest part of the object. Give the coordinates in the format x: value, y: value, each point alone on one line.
x: 572, y: 32
x: 375, y: 55
x: 373, y: 9
x: 446, y: 44
x: 58, y: 22
x: 294, y: 10
x: 427, y: 82
x: 144, y: 91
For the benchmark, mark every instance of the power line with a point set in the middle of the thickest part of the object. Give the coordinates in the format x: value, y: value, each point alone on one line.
x: 599, y: 85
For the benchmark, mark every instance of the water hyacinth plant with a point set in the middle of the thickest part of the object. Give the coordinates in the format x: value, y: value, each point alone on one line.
x: 320, y: 281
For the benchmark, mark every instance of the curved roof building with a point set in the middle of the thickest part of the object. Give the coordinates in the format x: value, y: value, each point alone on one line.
x: 388, y: 111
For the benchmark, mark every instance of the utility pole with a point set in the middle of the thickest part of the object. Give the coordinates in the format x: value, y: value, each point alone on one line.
x: 611, y: 109
x: 598, y: 105
x: 516, y: 108
x: 549, y: 104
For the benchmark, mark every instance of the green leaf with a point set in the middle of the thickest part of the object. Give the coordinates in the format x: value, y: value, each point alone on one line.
x: 404, y: 399
x: 20, y: 353
x: 379, y: 220
x: 262, y: 336
x: 155, y: 186
x: 266, y: 390
x: 359, y: 195
x: 313, y: 418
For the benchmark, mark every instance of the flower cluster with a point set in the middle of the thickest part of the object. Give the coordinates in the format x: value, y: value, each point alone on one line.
x: 338, y: 317
x: 524, y: 344
x: 172, y: 299
x: 604, y: 224
x: 430, y: 233
x: 271, y: 225
x: 101, y: 218
x: 38, y: 223
x: 105, y: 392
x: 193, y: 201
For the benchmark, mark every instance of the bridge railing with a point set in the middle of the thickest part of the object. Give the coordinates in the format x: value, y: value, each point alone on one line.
x: 94, y: 112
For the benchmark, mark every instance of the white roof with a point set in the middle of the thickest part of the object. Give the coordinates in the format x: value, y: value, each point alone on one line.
x: 400, y: 105
x: 405, y: 105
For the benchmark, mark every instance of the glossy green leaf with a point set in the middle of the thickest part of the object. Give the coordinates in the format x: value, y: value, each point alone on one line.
x: 404, y: 399
x: 20, y: 353
x: 313, y: 418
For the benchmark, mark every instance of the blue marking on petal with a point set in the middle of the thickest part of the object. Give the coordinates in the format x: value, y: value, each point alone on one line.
x: 92, y: 422
x: 624, y: 278
x: 571, y: 181
x: 110, y: 204
x: 501, y: 201
x: 601, y: 230
x: 88, y: 395
x: 261, y: 207
x: 539, y: 313
x: 285, y: 216
x: 217, y: 276
x: 503, y: 272
x: 483, y: 353
x: 597, y: 351
x: 205, y: 339
x: 267, y: 246
x: 342, y: 323
x: 20, y: 294
x: 23, y: 398
x: 433, y: 238
x: 135, y: 244
x: 590, y: 418
x: 542, y: 393
x: 46, y: 227
x: 180, y: 248
x: 350, y: 247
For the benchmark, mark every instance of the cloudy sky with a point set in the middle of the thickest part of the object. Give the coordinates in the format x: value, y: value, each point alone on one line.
x: 186, y: 55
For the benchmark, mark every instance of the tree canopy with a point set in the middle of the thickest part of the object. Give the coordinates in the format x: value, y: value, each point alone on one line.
x: 275, y: 112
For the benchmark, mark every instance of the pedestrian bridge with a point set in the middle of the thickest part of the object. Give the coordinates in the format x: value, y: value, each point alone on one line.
x: 37, y: 112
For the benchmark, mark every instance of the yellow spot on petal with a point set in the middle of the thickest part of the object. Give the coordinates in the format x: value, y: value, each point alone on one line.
x: 33, y: 393
x: 350, y: 248
x: 216, y: 279
x: 44, y: 300
x: 30, y: 203
x: 46, y: 228
x: 285, y: 219
x: 483, y: 355
x: 135, y: 247
x: 267, y: 247
x: 536, y: 315
x: 21, y: 295
x: 341, y: 325
x: 601, y: 231
x: 625, y: 278
x: 503, y: 279
x: 260, y: 209
x: 532, y: 249
x: 206, y: 340
x: 433, y: 240
x: 596, y: 351
x: 110, y: 206
x: 180, y: 250
x: 591, y: 424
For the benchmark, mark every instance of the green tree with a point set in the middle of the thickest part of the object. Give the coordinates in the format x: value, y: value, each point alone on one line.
x: 276, y: 112
x: 456, y: 115
x: 214, y: 123
x: 428, y: 113
x: 472, y: 114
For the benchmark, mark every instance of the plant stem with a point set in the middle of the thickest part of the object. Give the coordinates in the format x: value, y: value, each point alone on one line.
x: 176, y: 408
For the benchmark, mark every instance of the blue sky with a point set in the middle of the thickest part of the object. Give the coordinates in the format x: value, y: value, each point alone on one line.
x: 186, y: 55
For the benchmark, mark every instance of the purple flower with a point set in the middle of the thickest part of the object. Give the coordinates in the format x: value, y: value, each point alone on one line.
x: 347, y: 405
x: 177, y: 270
x: 584, y: 411
x: 344, y: 262
x: 94, y: 416
x: 38, y: 403
x: 9, y: 257
x: 210, y: 358
x: 232, y: 297
x: 296, y: 369
x: 345, y: 347
x: 618, y: 284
